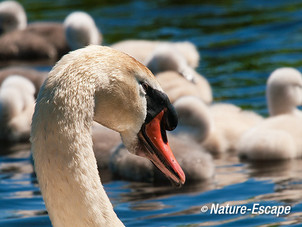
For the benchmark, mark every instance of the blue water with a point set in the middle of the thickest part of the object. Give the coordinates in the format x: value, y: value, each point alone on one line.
x: 241, y: 43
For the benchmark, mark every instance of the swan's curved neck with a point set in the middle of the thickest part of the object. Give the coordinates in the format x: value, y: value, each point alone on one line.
x: 64, y: 160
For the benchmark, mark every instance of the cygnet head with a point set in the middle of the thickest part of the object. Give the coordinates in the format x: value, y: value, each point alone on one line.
x: 81, y: 30
x: 17, y: 103
x: 189, y: 51
x: 166, y: 57
x: 20, y: 82
x: 16, y: 89
x: 194, y: 115
x: 284, y: 91
x: 12, y: 17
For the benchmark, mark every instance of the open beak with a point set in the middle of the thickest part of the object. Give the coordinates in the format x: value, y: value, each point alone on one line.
x: 154, y: 138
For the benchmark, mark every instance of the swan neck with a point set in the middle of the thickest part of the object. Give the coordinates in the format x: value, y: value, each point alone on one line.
x: 64, y: 160
x: 280, y: 105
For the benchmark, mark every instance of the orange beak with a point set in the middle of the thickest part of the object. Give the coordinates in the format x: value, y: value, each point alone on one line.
x: 153, y: 135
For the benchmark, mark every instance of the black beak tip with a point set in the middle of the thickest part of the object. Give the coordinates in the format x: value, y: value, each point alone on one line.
x: 176, y: 184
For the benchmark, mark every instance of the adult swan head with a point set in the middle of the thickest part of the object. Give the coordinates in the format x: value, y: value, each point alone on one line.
x: 101, y: 84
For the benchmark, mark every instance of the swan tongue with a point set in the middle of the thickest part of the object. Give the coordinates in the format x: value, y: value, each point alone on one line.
x: 159, y: 151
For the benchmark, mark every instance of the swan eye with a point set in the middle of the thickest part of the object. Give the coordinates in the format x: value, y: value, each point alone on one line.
x: 145, y: 86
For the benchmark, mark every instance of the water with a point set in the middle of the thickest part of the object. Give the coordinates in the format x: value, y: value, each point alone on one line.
x: 241, y: 43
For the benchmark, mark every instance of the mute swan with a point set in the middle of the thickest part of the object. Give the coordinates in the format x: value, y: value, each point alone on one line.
x: 81, y: 30
x: 17, y: 103
x: 141, y: 50
x: 36, y: 77
x: 102, y: 84
x: 196, y: 163
x: 51, y: 32
x: 217, y: 127
x: 176, y: 86
x: 169, y: 65
x: 166, y: 58
x: 279, y: 136
x: 284, y: 92
x: 42, y: 40
x: 12, y: 17
x: 33, y: 41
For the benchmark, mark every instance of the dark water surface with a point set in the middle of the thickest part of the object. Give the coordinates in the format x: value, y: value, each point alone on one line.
x: 241, y: 43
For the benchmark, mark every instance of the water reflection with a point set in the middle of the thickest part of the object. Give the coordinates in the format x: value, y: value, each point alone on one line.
x: 15, y: 161
x: 286, y: 176
x: 235, y: 183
